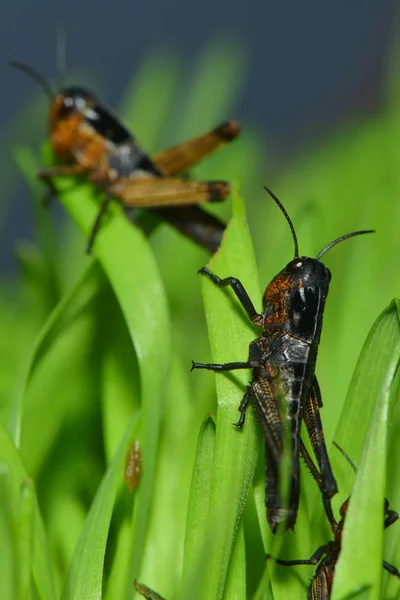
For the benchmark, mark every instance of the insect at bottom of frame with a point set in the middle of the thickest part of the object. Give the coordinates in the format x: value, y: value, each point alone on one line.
x: 327, y: 555
x: 146, y: 592
x: 93, y: 141
x: 284, y: 388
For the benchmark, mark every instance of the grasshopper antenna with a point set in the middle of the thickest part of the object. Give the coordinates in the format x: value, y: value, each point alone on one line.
x: 288, y: 219
x: 341, y: 239
x: 347, y: 457
x: 36, y: 76
x: 61, y: 41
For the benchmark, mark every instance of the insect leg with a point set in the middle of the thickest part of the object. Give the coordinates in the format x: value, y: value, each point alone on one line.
x: 312, y: 420
x: 96, y: 224
x: 179, y: 158
x: 157, y: 192
x: 75, y: 169
x: 277, y: 511
x: 313, y: 560
x: 224, y: 367
x: 317, y: 477
x: 391, y: 569
x: 252, y: 363
x: 196, y: 224
x: 246, y: 400
x: 51, y: 193
x: 239, y: 290
x: 321, y: 584
x: 47, y: 174
x: 391, y: 517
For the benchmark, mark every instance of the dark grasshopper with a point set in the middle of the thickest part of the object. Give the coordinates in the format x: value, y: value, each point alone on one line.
x: 91, y: 140
x: 284, y: 388
x: 327, y: 555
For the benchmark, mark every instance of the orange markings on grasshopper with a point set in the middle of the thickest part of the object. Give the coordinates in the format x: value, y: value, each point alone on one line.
x: 92, y: 140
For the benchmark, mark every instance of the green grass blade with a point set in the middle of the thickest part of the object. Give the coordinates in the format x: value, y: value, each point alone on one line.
x: 378, y: 358
x: 285, y: 583
x: 367, y: 405
x: 85, y: 579
x: 118, y: 574
x: 120, y: 387
x: 25, y: 127
x: 162, y: 564
x: 8, y: 541
x: 125, y: 257
x: 221, y: 66
x: 64, y: 314
x: 25, y: 535
x: 64, y: 524
x: 235, y: 452
x: 27, y: 163
x: 264, y: 591
x: 41, y: 566
x: 199, y: 499
x: 235, y: 586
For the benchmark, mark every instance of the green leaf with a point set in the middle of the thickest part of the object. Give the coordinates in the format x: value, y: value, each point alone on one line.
x: 235, y: 453
x: 235, y: 586
x: 199, y: 499
x: 28, y: 166
x: 285, y: 582
x: 221, y: 66
x: 125, y: 257
x: 64, y: 314
x: 119, y: 374
x: 371, y: 382
x: 367, y: 406
x: 119, y: 571
x: 160, y: 567
x: 25, y: 535
x: 85, y: 578
x: 64, y: 523
x: 23, y: 520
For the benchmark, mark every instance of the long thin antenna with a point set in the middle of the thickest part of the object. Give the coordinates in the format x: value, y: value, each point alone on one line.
x: 61, y: 56
x: 341, y: 239
x: 36, y: 76
x: 288, y: 219
x: 347, y: 457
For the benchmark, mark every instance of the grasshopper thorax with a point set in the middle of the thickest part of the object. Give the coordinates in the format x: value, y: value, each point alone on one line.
x: 84, y: 129
x: 299, y: 274
x: 294, y: 300
x: 76, y: 101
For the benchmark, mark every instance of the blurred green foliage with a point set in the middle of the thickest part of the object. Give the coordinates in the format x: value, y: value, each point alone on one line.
x: 96, y: 353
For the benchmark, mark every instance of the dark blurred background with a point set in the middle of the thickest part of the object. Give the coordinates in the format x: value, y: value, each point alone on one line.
x: 308, y: 66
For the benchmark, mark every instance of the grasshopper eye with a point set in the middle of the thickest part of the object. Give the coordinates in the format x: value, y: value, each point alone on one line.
x: 65, y: 105
x: 294, y: 266
x: 68, y: 102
